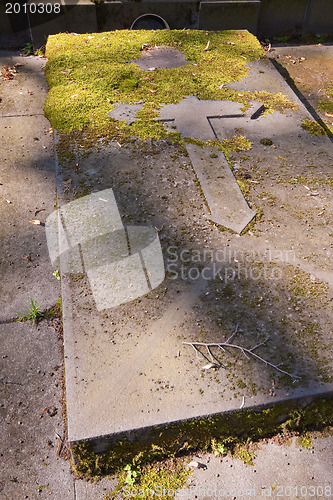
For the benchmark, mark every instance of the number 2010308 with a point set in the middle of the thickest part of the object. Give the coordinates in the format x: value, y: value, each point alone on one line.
x: 33, y: 8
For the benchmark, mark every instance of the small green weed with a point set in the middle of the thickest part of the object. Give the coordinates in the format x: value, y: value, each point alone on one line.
x: 40, y: 51
x: 28, y: 49
x: 34, y: 314
x: 132, y: 474
x: 218, y: 448
x: 56, y: 274
x: 304, y: 442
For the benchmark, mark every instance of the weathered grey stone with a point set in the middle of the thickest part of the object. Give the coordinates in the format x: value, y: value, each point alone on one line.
x: 161, y: 57
x: 229, y: 15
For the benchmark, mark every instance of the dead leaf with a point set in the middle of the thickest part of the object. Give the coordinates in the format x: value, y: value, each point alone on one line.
x: 60, y: 444
x: 35, y: 221
x: 65, y: 71
x: 38, y: 210
x: 152, y: 91
x: 68, y: 182
x: 328, y: 114
x: 210, y: 365
x: 207, y: 46
x: 74, y: 95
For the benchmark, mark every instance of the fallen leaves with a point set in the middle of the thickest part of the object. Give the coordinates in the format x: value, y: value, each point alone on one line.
x: 10, y: 71
x: 207, y: 46
x: 209, y: 366
x: 297, y: 60
x: 37, y: 222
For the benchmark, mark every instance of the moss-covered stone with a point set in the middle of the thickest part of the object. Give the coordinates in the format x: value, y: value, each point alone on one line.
x: 232, y: 429
x: 87, y: 75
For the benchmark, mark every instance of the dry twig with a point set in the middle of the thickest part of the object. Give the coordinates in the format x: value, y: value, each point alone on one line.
x: 211, y: 358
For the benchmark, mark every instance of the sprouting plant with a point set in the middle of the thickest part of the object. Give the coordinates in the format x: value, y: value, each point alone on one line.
x: 56, y: 274
x: 28, y: 49
x: 40, y: 51
x: 132, y: 474
x: 34, y: 313
x: 218, y: 448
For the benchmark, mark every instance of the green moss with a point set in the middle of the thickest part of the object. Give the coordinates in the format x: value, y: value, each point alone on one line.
x: 266, y: 142
x: 325, y: 105
x: 272, y: 102
x: 156, y: 480
x: 245, y: 456
x: 237, y: 143
x: 304, y: 441
x: 87, y: 75
x: 234, y: 429
x: 313, y: 127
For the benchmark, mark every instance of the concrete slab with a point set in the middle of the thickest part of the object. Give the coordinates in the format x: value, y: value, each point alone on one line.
x: 30, y: 382
x: 273, y: 19
x: 25, y: 93
x: 27, y: 188
x: 232, y: 15
x: 286, y: 467
x: 78, y: 16
x: 134, y: 362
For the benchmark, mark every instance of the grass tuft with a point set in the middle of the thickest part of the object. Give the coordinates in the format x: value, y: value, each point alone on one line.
x: 34, y: 314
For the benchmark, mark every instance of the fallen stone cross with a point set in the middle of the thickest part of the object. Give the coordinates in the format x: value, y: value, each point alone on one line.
x: 191, y: 117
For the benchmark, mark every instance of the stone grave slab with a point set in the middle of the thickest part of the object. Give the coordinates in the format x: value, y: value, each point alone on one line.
x: 154, y: 357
